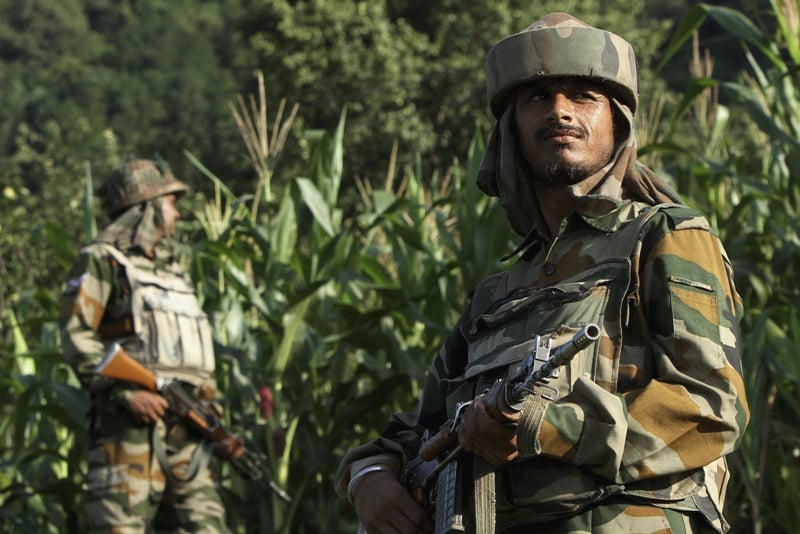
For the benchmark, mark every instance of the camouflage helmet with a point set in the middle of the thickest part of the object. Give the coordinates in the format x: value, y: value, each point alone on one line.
x: 559, y: 45
x: 136, y: 181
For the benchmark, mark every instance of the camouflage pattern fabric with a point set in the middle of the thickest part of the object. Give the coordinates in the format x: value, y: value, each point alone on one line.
x: 559, y: 45
x: 647, y: 413
x: 137, y: 228
x: 637, y: 438
x: 616, y: 517
x: 125, y: 484
x: 92, y: 292
x: 516, y: 61
x: 127, y: 491
x: 137, y: 181
x: 96, y: 305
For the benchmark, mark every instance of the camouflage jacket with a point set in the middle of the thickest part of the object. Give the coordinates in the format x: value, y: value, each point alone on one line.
x: 649, y: 411
x: 115, y: 301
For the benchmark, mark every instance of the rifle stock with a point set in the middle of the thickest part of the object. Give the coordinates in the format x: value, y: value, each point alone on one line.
x: 121, y: 366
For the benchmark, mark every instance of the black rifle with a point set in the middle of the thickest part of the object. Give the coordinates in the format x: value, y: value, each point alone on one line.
x: 436, y: 472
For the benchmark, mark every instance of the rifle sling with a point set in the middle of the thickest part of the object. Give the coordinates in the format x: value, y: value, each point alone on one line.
x: 200, y: 457
x: 485, y: 498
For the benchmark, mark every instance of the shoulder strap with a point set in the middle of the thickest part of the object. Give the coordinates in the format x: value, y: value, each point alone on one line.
x: 640, y: 223
x: 110, y: 250
x: 635, y: 256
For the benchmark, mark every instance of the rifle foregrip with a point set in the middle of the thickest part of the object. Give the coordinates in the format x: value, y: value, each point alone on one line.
x: 443, y: 440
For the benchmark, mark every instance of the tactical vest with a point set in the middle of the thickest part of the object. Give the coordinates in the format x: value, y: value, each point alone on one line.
x: 506, y: 316
x: 171, y: 333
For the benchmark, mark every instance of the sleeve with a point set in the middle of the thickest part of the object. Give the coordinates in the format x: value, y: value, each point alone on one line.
x: 90, y: 288
x: 400, y: 440
x: 691, y: 408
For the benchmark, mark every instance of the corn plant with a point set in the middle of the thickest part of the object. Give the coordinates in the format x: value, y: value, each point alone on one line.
x: 328, y: 305
x: 746, y: 186
x: 325, y: 311
x: 41, y: 427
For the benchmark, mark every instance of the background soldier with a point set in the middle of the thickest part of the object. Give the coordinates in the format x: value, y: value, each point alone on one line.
x: 636, y: 439
x: 127, y: 293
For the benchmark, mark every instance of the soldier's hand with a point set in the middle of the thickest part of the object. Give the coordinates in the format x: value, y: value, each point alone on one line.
x: 482, y: 434
x: 146, y: 406
x: 383, y: 505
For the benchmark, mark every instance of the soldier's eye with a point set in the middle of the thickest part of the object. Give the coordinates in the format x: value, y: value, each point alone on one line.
x: 536, y: 95
x: 586, y: 95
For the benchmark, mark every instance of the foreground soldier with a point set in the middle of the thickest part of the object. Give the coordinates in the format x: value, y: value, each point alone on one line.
x: 127, y: 293
x: 635, y: 436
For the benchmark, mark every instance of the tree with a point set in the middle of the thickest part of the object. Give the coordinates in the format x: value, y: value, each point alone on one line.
x: 410, y: 72
x: 91, y: 83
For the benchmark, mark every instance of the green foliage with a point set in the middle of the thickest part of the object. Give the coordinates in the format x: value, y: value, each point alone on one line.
x: 41, y: 438
x: 746, y: 187
x: 95, y: 82
x: 410, y: 72
x: 338, y: 312
x: 329, y: 284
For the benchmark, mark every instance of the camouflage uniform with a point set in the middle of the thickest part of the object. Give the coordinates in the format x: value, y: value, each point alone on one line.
x: 636, y: 440
x: 126, y: 293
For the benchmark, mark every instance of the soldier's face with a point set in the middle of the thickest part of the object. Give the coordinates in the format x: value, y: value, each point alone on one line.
x: 565, y: 127
x: 169, y: 214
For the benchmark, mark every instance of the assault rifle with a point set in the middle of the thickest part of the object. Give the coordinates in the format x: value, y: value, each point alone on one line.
x: 434, y: 475
x: 189, y: 409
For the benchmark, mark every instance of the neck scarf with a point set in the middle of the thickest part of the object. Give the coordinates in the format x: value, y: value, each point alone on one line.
x: 138, y: 227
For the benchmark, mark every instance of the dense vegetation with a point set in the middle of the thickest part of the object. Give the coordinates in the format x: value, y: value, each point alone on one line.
x: 333, y: 243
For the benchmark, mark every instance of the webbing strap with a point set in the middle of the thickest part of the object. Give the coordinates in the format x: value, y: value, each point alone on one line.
x: 200, y: 457
x: 485, y: 497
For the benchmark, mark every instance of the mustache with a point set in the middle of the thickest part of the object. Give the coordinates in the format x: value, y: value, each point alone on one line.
x: 559, y: 129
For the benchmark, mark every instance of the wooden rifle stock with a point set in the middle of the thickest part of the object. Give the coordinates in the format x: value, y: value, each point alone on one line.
x: 120, y: 366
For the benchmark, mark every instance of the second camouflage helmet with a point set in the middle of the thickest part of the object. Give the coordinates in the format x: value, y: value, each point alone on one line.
x: 139, y: 180
x: 560, y: 45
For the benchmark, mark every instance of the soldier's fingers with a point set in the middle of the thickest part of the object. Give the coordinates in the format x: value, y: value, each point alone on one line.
x: 465, y: 437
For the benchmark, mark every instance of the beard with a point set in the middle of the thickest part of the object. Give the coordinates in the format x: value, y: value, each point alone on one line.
x: 560, y: 172
x: 559, y: 169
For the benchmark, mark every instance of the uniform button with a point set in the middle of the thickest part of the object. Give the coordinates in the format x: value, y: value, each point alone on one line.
x: 549, y: 269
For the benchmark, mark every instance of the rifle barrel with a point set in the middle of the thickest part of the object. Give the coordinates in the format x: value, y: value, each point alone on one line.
x: 562, y: 356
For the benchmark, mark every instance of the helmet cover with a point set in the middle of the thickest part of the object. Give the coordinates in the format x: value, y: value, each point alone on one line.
x: 560, y: 45
x: 137, y: 181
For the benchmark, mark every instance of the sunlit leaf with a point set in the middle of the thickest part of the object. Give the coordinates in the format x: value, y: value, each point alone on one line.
x: 316, y: 203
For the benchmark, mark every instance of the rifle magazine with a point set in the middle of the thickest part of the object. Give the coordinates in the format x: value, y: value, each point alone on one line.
x: 449, y: 500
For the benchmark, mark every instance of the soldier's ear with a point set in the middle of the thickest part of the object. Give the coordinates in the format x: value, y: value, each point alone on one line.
x: 622, y: 128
